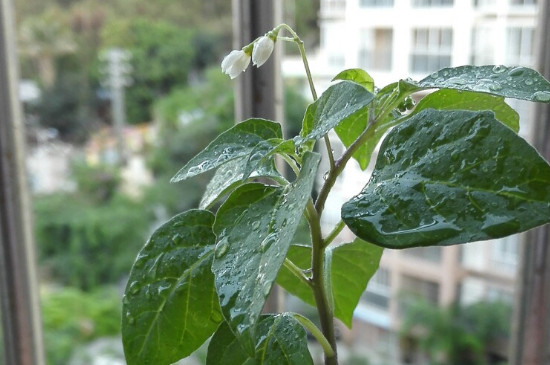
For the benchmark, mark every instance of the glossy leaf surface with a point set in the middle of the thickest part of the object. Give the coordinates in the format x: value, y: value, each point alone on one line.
x: 338, y: 102
x: 279, y: 340
x: 236, y: 142
x: 231, y: 175
x: 357, y: 75
x: 448, y: 177
x: 254, y: 228
x: 510, y: 82
x: 449, y: 99
x: 170, y: 306
x: 353, y: 264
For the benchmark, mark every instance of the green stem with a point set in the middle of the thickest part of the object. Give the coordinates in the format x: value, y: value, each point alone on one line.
x: 324, y: 308
x: 335, y: 232
x: 291, y: 266
x: 311, y: 327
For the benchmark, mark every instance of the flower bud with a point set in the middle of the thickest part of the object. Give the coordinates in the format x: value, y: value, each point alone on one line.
x: 235, y: 62
x: 263, y: 48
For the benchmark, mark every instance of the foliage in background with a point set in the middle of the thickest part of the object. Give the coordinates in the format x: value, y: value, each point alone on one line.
x: 72, y: 318
x: 457, y: 335
x: 82, y: 240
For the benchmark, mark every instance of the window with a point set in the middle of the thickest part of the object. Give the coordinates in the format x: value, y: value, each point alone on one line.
x: 431, y: 253
x: 520, y: 46
x: 431, y: 49
x: 416, y: 287
x: 506, y: 251
x: 523, y: 2
x: 378, y: 290
x: 375, y: 49
x: 376, y: 3
x: 431, y: 3
x: 483, y: 46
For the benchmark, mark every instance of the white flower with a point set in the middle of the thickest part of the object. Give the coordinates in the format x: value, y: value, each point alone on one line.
x: 235, y: 63
x: 263, y: 48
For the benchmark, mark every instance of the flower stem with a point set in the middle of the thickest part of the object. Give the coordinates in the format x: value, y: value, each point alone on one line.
x: 332, y: 235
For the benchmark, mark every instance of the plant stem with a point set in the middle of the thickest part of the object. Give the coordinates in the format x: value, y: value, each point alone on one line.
x: 324, y: 308
x: 291, y: 266
x: 332, y: 235
x: 315, y: 332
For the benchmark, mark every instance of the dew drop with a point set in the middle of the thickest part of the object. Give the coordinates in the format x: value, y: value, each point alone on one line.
x: 221, y: 248
x: 134, y: 288
x: 529, y: 82
x: 542, y: 96
x: 515, y: 72
x: 495, y: 87
x: 125, y: 300
x: 499, y: 69
x: 255, y: 225
x: 176, y: 239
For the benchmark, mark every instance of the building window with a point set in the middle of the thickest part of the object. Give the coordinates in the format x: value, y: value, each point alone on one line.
x: 375, y: 49
x: 520, y: 46
x: 431, y: 49
x: 412, y: 289
x: 378, y: 290
x: 483, y: 46
x: 431, y: 3
x: 376, y: 3
x: 523, y: 2
x: 506, y: 251
x: 430, y: 253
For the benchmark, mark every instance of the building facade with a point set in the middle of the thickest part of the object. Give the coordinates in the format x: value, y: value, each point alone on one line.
x: 394, y: 39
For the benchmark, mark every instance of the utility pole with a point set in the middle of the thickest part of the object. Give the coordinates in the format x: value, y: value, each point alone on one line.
x: 530, y: 342
x: 258, y: 91
x: 117, y: 78
x: 20, y: 309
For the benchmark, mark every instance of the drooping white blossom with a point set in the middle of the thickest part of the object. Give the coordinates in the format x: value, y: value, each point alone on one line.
x: 235, y: 62
x: 263, y: 48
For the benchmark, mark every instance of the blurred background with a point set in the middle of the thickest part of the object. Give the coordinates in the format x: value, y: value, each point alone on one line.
x: 118, y: 95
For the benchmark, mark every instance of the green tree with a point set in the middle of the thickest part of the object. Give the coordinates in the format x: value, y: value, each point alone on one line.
x: 457, y: 335
x: 162, y: 58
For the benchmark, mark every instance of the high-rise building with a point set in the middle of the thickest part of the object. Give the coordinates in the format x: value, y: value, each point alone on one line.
x: 393, y: 39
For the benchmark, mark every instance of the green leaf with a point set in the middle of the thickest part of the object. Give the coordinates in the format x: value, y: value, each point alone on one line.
x: 445, y: 177
x: 279, y: 340
x: 231, y: 175
x: 170, y: 305
x: 353, y: 264
x: 338, y: 102
x: 264, y: 151
x: 510, y: 82
x: 255, y: 226
x: 236, y: 142
x: 358, y: 76
x: 448, y: 99
x: 385, y: 101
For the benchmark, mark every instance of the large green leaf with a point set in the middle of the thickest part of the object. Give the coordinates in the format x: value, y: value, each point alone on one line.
x: 170, y: 305
x: 447, y: 177
x: 279, y: 340
x: 231, y: 175
x: 358, y: 76
x: 449, y: 99
x: 509, y: 82
x: 353, y: 264
x: 237, y: 141
x: 338, y: 102
x: 255, y: 226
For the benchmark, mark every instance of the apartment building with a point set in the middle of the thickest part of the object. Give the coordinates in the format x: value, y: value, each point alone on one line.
x: 394, y: 39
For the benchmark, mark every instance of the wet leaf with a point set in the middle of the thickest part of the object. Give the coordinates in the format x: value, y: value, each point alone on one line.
x: 279, y: 340
x: 353, y: 264
x: 338, y: 102
x: 264, y: 152
x: 448, y: 177
x: 170, y: 305
x: 510, y: 82
x: 358, y: 76
x: 448, y: 99
x: 231, y: 175
x: 236, y: 142
x: 254, y: 228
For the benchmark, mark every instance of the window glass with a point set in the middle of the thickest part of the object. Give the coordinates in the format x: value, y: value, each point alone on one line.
x: 431, y: 49
x: 375, y: 49
x: 376, y: 3
x: 520, y: 46
x: 432, y: 3
x: 378, y: 290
